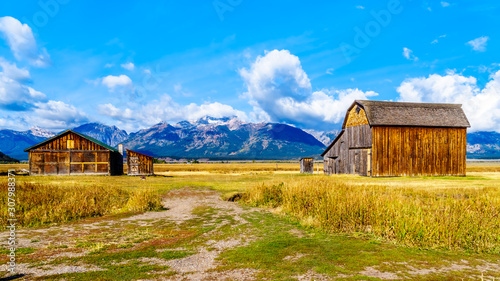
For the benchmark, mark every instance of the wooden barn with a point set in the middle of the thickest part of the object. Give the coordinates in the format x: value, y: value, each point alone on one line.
x: 139, y: 164
x: 306, y: 165
x: 72, y: 153
x: 381, y: 138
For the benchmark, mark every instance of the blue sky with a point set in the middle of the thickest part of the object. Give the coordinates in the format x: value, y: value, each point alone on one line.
x: 134, y: 64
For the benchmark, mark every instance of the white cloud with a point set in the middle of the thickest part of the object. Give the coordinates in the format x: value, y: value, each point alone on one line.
x: 22, y: 43
x: 108, y: 65
x: 479, y: 44
x: 10, y: 70
x: 408, y: 54
x: 166, y: 109
x: 56, y: 115
x: 279, y: 90
x: 360, y: 7
x: 330, y: 71
x: 14, y: 94
x: 113, y: 82
x: 435, y: 41
x: 445, y: 4
x: 482, y: 106
x: 128, y: 66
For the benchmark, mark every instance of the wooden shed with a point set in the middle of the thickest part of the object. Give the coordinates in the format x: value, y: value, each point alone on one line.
x: 72, y: 153
x: 307, y: 165
x: 381, y: 138
x: 139, y: 164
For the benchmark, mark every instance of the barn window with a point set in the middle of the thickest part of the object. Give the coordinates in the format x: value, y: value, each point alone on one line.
x: 71, y: 144
x: 358, y: 109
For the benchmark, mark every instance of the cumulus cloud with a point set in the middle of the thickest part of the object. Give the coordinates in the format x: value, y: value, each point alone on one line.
x: 482, y: 106
x: 22, y: 43
x: 479, y: 44
x: 360, y: 7
x: 14, y: 94
x: 445, y: 4
x: 114, y: 82
x: 56, y: 115
x: 10, y: 70
x: 166, y: 109
x: 128, y: 66
x: 280, y: 91
x: 408, y: 54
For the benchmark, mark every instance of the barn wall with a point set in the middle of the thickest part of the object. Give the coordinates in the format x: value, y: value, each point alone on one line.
x: 351, y: 154
x: 139, y: 164
x: 51, y: 162
x: 405, y: 151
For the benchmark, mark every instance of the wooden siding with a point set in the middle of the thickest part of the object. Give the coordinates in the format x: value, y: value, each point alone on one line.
x: 139, y: 164
x: 351, y: 154
x: 419, y: 151
x: 307, y: 165
x: 48, y: 162
x: 355, y: 118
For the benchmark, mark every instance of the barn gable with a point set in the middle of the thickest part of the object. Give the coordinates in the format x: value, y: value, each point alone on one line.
x: 356, y: 116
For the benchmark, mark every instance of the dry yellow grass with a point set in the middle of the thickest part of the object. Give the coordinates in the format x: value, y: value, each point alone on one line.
x: 457, y: 216
x: 46, y: 203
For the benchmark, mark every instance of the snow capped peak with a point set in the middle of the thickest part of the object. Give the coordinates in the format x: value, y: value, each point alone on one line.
x: 39, y: 132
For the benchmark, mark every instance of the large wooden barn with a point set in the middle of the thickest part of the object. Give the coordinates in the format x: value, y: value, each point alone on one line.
x: 381, y: 138
x: 72, y: 153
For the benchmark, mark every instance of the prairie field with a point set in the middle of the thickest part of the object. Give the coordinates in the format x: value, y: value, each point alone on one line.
x: 285, y: 226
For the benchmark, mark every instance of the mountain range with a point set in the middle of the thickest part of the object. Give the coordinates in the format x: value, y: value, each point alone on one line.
x: 224, y: 138
x: 218, y: 138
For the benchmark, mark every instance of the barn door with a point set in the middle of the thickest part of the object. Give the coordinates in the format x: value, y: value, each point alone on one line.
x: 134, y: 165
x: 362, y: 162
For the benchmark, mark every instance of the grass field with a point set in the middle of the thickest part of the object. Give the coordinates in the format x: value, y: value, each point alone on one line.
x: 345, y: 227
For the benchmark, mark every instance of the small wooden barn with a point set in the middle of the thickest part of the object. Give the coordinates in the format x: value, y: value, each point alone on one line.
x: 381, y: 138
x: 306, y: 165
x: 72, y: 153
x: 139, y: 164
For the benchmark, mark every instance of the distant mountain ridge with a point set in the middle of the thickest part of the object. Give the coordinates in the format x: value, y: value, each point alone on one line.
x: 219, y: 138
x: 110, y: 135
x: 224, y: 138
x: 13, y: 143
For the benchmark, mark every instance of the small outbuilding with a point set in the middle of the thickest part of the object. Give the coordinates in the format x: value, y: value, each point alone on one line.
x: 73, y: 153
x: 380, y: 138
x: 139, y: 164
x: 306, y: 165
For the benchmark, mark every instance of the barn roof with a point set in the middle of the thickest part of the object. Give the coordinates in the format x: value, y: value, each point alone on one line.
x: 333, y: 142
x: 71, y: 131
x: 386, y: 113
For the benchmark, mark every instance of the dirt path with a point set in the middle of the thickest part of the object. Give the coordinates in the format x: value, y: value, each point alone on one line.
x: 61, y: 241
